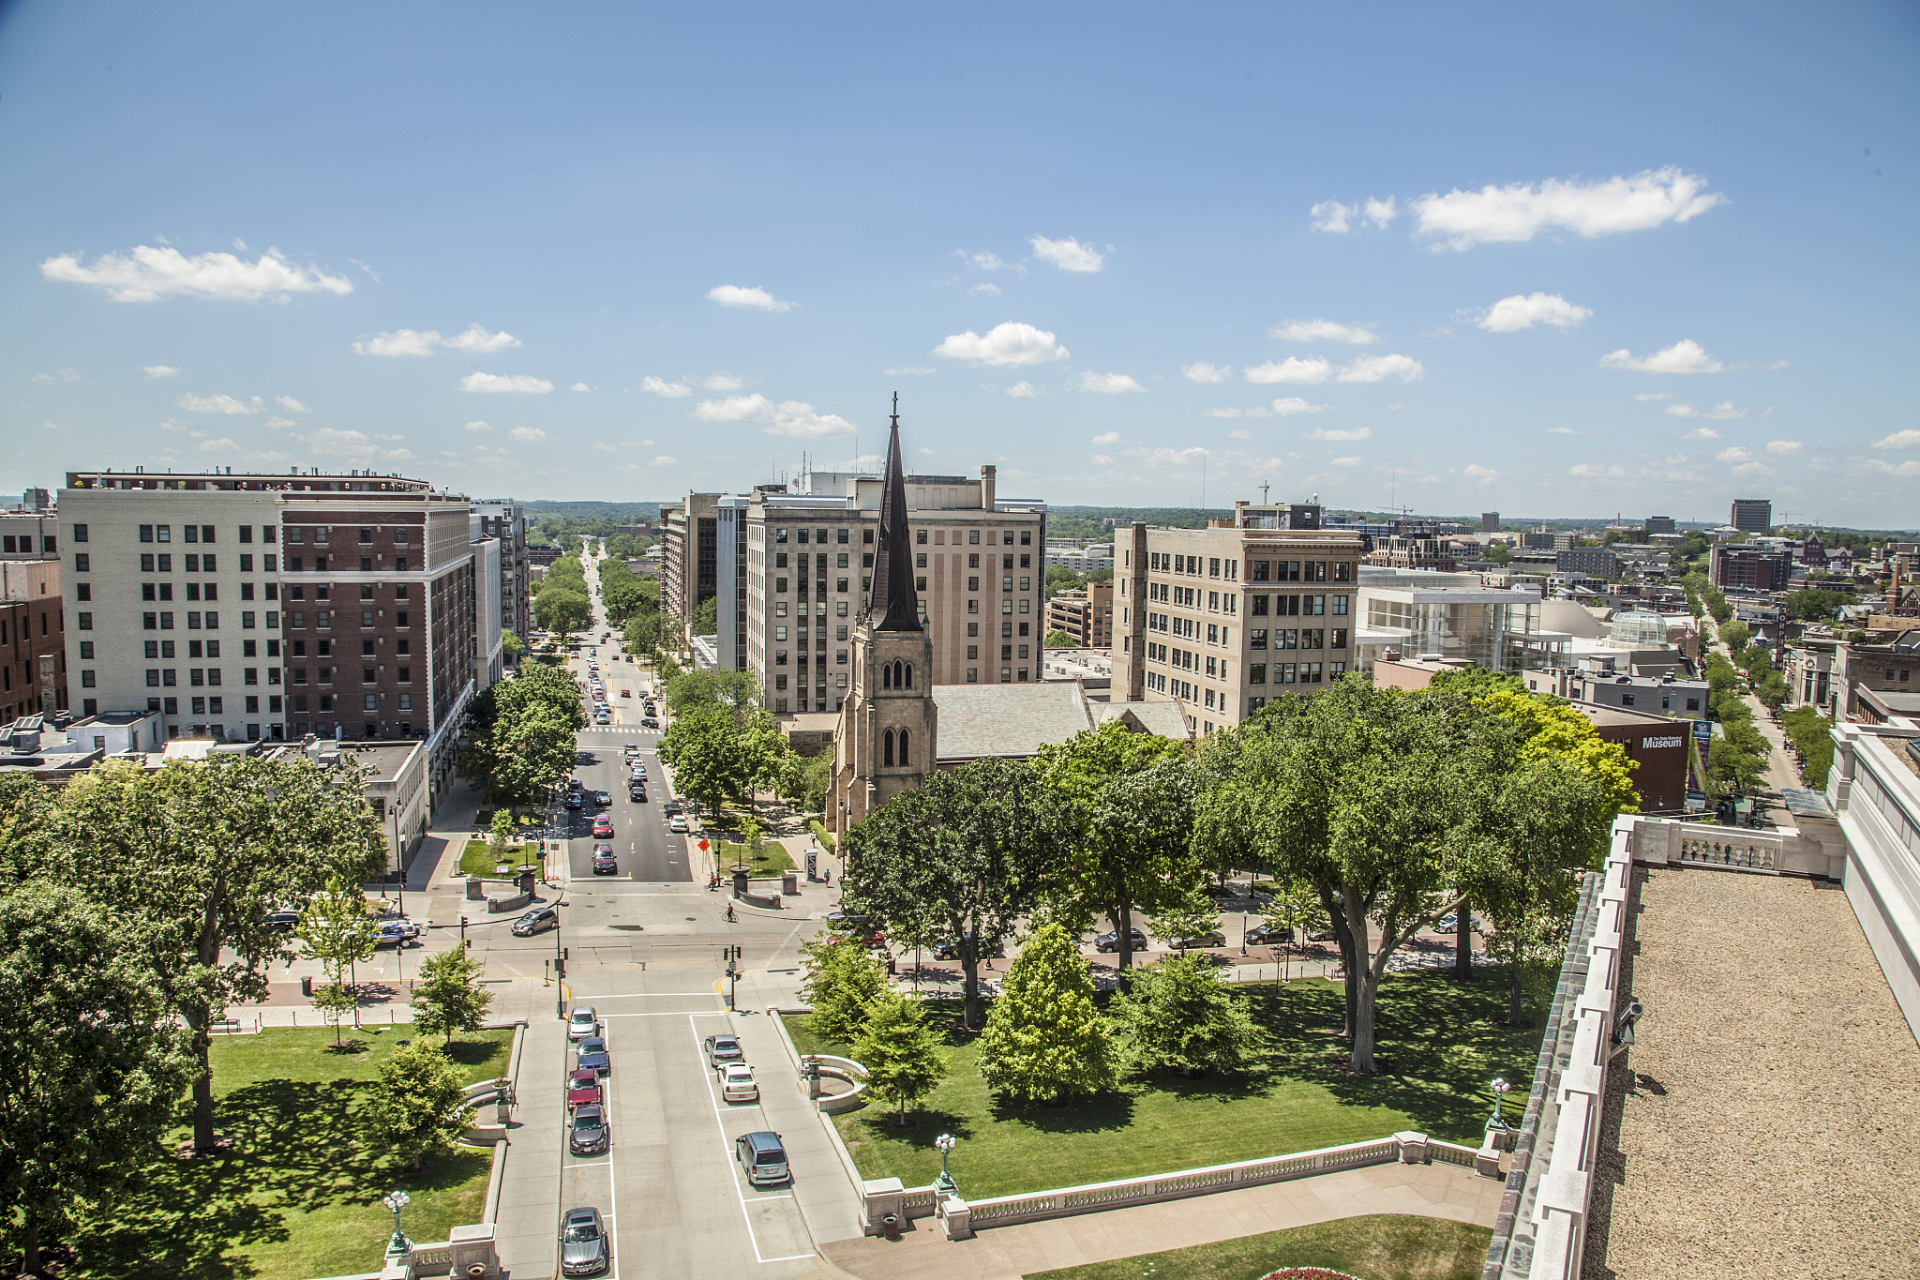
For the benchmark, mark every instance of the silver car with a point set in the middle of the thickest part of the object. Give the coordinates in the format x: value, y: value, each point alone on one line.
x: 583, y: 1243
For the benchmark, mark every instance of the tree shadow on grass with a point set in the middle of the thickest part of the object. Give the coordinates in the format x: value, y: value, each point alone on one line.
x: 470, y: 1053
x: 1101, y: 1113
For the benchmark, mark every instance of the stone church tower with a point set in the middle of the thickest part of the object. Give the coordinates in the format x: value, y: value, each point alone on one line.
x: 885, y: 741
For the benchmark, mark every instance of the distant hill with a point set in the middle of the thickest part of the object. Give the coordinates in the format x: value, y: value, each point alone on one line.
x: 622, y: 512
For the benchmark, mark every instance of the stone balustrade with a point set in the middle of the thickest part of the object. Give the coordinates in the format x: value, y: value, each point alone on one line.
x: 1804, y: 852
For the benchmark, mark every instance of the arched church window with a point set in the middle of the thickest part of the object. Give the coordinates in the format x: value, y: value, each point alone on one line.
x: 909, y: 675
x: 903, y: 748
x: 886, y: 749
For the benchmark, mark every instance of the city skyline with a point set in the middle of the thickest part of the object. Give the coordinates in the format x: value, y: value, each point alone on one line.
x: 1391, y: 257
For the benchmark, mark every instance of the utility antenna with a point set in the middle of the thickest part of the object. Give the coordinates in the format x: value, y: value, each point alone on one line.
x: 1263, y: 494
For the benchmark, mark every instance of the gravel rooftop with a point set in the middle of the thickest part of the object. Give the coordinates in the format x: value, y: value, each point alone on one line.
x: 1767, y: 1123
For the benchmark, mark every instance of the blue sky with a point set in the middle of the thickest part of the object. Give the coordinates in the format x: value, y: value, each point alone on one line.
x: 1550, y: 260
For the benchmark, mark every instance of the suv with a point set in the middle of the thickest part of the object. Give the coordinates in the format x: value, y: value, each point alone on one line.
x: 763, y: 1158
x: 538, y: 920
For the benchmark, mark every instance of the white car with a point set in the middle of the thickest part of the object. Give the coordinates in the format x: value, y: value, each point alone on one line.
x: 737, y: 1083
x: 582, y: 1023
x: 677, y: 823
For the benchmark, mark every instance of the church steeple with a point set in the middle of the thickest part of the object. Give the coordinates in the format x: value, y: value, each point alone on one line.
x: 895, y: 606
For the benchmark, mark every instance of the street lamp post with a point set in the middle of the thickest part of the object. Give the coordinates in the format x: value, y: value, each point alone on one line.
x: 399, y: 1246
x: 944, y: 1184
x: 1500, y: 1088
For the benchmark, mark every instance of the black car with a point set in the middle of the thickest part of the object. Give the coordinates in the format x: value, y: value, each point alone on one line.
x: 637, y: 794
x: 672, y: 807
x: 950, y: 950
x: 1110, y: 941
x: 538, y: 920
x: 281, y: 921
x: 583, y: 1243
x: 1266, y: 935
x: 587, y: 1132
x: 597, y: 1062
x: 573, y: 800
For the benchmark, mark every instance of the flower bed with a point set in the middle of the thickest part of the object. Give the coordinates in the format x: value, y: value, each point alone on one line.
x: 1306, y: 1273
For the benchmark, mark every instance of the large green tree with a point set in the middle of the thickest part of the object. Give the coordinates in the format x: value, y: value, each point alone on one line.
x: 1044, y: 1040
x: 1126, y: 809
x: 195, y: 856
x: 717, y: 754
x: 900, y: 1051
x: 842, y: 979
x: 447, y: 995
x: 561, y: 610
x: 711, y: 690
x: 92, y: 1064
x: 1180, y: 1017
x: 520, y: 735
x: 962, y: 859
x: 415, y: 1106
x: 336, y: 929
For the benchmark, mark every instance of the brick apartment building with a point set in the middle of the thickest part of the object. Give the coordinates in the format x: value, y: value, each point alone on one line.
x: 1737, y: 567
x: 33, y: 658
x: 1084, y: 613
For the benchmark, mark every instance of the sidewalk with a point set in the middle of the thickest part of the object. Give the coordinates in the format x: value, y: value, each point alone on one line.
x: 530, y: 1186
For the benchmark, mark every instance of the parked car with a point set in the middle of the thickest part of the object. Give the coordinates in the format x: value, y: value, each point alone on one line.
x: 1211, y: 938
x: 1450, y: 922
x: 582, y: 1022
x: 538, y: 920
x: 857, y: 927
x: 602, y: 826
x: 1110, y: 941
x: 677, y: 823
x: 673, y: 807
x: 763, y: 1157
x: 587, y: 1134
x: 949, y: 949
x: 583, y: 1087
x: 598, y: 1062
x: 1266, y: 935
x: 583, y: 1244
x: 737, y: 1083
x: 723, y: 1049
x: 604, y: 861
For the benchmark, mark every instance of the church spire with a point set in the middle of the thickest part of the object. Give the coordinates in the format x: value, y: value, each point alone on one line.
x: 895, y: 607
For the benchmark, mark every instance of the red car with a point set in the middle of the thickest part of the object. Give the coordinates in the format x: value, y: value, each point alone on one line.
x: 603, y: 826
x: 604, y: 863
x: 583, y: 1088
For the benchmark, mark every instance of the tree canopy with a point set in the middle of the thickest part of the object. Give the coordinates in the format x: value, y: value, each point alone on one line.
x: 520, y: 734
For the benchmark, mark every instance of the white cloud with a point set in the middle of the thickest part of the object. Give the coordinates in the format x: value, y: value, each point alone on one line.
x: 1654, y: 395
x: 1378, y: 368
x: 291, y: 405
x: 1287, y: 406
x: 1339, y: 433
x: 493, y: 383
x: 985, y: 260
x: 722, y: 382
x: 1749, y: 469
x: 984, y: 289
x: 1331, y: 215
x: 279, y: 423
x: 150, y: 273
x: 1200, y: 371
x: 1684, y: 356
x: 160, y: 370
x: 528, y: 435
x: 1873, y: 466
x: 401, y: 342
x: 1323, y: 331
x: 1598, y: 471
x: 1102, y: 460
x: 1107, y: 437
x: 1737, y: 453
x: 1701, y: 433
x: 1068, y: 254
x: 909, y: 369
x: 1008, y: 345
x: 216, y: 446
x: 1024, y: 390
x: 51, y: 425
x: 1907, y: 439
x: 479, y: 342
x: 1522, y: 210
x: 175, y: 425
x: 352, y: 446
x: 1109, y: 384
x: 788, y: 418
x: 58, y: 375
x: 216, y: 404
x: 664, y: 461
x: 580, y: 386
x: 1524, y: 310
x: 661, y: 387
x: 1485, y: 475
x: 1347, y: 462
x: 1720, y: 411
x: 1292, y: 370
x: 1240, y: 433
x: 758, y: 299
x: 478, y: 425
x: 1783, y: 448
x: 1562, y: 431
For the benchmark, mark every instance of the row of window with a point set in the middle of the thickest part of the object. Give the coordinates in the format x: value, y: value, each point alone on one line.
x: 1293, y: 672
x: 203, y: 533
x: 22, y: 544
x: 1007, y: 675
x: 1301, y: 638
x: 842, y: 536
x: 1257, y: 570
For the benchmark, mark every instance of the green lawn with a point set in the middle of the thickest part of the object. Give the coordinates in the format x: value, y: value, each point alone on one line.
x: 1377, y: 1247
x: 298, y: 1196
x: 477, y: 859
x: 1437, y: 1037
x: 770, y: 861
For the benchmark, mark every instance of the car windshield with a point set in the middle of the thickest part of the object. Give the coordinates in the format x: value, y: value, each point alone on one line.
x: 582, y: 1233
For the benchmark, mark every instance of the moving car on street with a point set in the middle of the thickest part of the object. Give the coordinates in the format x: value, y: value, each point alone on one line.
x: 602, y: 798
x: 604, y: 861
x: 602, y: 827
x: 538, y: 920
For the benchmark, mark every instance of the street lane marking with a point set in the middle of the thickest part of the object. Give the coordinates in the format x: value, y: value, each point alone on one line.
x: 726, y: 1146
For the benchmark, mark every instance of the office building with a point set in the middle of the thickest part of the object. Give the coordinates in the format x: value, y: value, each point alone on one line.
x: 1660, y: 524
x: 1086, y: 614
x: 1452, y: 617
x: 1546, y: 540
x: 1221, y: 619
x: 979, y: 579
x: 1595, y: 562
x: 1489, y: 522
x: 505, y: 521
x: 29, y: 534
x: 1739, y: 567
x: 259, y: 606
x: 33, y: 659
x: 1752, y: 515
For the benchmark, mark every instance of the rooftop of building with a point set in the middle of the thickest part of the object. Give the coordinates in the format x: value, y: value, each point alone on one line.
x: 1016, y: 720
x: 309, y: 480
x: 1605, y: 717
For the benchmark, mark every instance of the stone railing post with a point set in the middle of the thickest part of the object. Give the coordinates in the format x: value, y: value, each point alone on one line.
x: 1413, y: 1148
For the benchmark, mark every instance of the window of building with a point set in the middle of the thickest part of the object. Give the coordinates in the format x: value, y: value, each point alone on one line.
x: 920, y: 539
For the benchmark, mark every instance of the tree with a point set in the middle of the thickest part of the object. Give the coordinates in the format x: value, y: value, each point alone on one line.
x: 335, y: 1002
x: 1060, y: 578
x: 1044, y: 1040
x: 843, y: 978
x: 962, y: 859
x: 196, y: 855
x: 520, y: 735
x: 1499, y: 553
x: 900, y: 1051
x: 1812, y: 736
x: 92, y: 1064
x: 501, y: 832
x: 1057, y: 639
x: 337, y: 931
x: 1815, y: 604
x: 447, y: 996
x: 715, y: 754
x: 803, y: 780
x: 513, y: 645
x: 1180, y: 1017
x: 1125, y: 802
x: 415, y: 1107
x: 1186, y: 916
x: 1735, y: 636
x: 734, y: 691
x: 561, y: 610
x: 28, y: 828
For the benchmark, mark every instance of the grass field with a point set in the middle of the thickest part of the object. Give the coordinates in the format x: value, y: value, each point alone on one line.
x: 1376, y: 1247
x: 771, y: 860
x: 477, y: 859
x: 298, y: 1195
x: 1436, y: 1036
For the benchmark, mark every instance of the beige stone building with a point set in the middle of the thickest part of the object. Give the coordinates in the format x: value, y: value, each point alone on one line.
x: 1085, y: 613
x: 1221, y: 619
